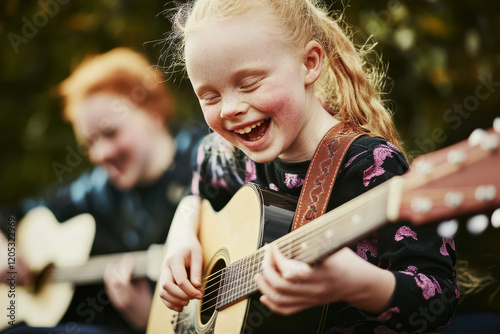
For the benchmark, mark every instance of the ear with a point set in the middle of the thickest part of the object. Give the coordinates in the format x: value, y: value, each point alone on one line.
x: 313, y: 61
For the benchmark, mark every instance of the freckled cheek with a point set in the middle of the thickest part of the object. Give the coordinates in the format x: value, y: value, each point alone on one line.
x: 268, y: 102
x: 279, y: 105
x: 212, y: 117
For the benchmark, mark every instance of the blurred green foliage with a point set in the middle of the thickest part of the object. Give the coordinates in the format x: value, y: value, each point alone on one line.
x: 443, y: 67
x: 438, y: 53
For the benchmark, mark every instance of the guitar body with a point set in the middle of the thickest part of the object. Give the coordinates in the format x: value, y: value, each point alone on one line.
x: 42, y: 241
x: 254, y: 216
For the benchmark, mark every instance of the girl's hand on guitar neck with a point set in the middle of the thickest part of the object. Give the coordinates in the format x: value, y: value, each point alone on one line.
x: 177, y: 287
x: 132, y: 298
x: 289, y: 286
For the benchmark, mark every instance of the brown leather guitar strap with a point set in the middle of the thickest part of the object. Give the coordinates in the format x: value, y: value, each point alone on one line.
x: 322, y: 172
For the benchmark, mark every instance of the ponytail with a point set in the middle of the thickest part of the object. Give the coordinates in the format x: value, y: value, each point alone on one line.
x: 349, y: 86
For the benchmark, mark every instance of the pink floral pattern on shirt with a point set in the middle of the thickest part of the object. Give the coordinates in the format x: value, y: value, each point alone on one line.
x: 388, y: 314
x: 272, y: 186
x: 293, y: 181
x: 251, y: 173
x: 380, y: 153
x: 347, y: 164
x: 447, y: 241
x: 405, y: 231
x: 428, y: 285
x: 365, y: 246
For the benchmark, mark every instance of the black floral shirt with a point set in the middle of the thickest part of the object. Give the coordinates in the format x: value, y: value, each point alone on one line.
x: 426, y: 292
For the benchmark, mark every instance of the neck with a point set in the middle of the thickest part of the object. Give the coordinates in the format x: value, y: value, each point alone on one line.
x: 146, y: 264
x: 163, y: 156
x: 315, y: 128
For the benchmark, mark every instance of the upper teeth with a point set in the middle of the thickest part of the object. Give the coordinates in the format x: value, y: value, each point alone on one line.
x: 248, y: 128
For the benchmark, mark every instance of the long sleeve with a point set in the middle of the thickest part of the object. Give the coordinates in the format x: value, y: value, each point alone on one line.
x: 426, y: 292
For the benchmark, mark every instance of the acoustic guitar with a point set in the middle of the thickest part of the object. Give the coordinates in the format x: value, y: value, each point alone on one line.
x: 58, y: 256
x: 461, y: 179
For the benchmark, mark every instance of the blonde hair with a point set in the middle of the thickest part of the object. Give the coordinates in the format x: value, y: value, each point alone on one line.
x: 120, y: 71
x: 348, y: 85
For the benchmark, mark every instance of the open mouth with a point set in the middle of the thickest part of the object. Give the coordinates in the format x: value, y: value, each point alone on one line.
x: 253, y: 132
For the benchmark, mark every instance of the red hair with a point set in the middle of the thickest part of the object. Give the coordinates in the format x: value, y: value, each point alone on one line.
x: 122, y: 72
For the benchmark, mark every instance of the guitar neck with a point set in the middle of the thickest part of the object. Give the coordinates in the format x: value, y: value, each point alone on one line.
x: 93, y: 271
x: 315, y: 241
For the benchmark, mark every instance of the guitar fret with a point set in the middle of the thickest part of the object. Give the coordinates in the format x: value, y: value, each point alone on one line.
x: 237, y: 272
x: 220, y: 291
x: 93, y: 270
x: 243, y: 278
x: 234, y: 291
x: 310, y: 243
x: 237, y: 281
x: 225, y: 284
x: 234, y: 271
x: 253, y: 265
x: 229, y: 286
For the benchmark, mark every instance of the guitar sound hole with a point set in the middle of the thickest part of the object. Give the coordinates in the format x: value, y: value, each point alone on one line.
x: 208, y: 303
x: 41, y: 279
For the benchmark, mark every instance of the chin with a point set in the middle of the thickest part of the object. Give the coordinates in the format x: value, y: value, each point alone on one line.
x: 261, y: 158
x: 122, y: 183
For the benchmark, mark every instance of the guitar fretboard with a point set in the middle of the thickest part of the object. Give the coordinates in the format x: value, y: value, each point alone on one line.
x: 310, y: 244
x: 93, y: 270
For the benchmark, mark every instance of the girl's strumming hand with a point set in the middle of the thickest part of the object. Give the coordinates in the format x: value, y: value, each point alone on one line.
x: 177, y: 287
x: 289, y: 286
x: 180, y: 278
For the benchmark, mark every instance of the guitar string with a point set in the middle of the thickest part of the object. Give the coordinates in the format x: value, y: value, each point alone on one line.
x: 94, y: 268
x: 220, y: 272
x: 309, y: 236
x: 322, y: 228
x: 299, y: 253
x: 285, y: 239
x: 302, y: 239
x: 347, y: 210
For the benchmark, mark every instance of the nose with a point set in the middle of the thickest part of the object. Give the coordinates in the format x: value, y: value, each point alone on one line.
x: 101, y: 151
x: 233, y: 106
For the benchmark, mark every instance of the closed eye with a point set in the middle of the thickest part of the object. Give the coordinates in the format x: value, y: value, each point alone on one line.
x: 210, y: 98
x: 109, y: 132
x: 250, y: 83
x: 250, y: 87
